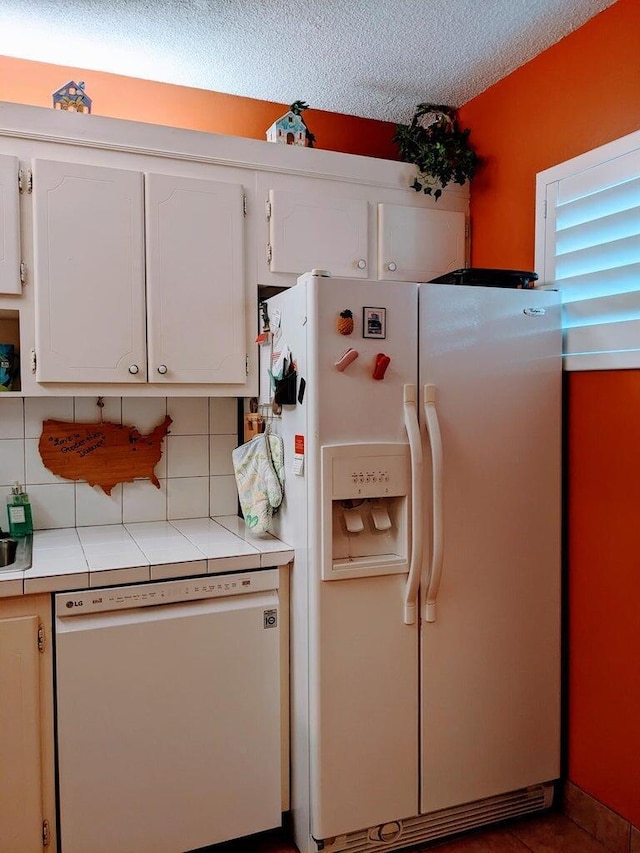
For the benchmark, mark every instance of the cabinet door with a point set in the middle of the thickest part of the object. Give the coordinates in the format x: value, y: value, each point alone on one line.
x: 315, y: 230
x: 21, y: 813
x: 195, y: 280
x: 89, y: 267
x: 418, y: 244
x: 9, y: 226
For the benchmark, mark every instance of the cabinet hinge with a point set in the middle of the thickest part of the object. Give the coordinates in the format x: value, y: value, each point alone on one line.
x: 46, y: 833
x: 244, y: 205
x: 268, y: 209
x: 23, y: 272
x: 246, y: 365
x: 25, y: 181
x: 42, y: 637
x: 544, y: 209
x: 34, y: 361
x: 269, y: 253
x: 467, y: 229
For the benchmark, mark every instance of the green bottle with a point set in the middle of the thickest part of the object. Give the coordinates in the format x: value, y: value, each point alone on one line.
x: 19, y: 512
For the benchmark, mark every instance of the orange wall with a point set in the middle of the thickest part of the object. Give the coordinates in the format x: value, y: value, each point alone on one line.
x: 604, y: 587
x: 26, y: 82
x: 577, y: 95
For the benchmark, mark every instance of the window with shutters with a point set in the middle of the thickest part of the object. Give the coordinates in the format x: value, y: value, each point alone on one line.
x: 588, y: 246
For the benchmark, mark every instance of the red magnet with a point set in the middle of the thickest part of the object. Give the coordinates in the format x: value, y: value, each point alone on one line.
x: 346, y: 358
x: 380, y: 365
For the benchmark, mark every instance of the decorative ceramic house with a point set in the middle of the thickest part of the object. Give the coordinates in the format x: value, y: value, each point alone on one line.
x: 72, y: 96
x: 289, y: 129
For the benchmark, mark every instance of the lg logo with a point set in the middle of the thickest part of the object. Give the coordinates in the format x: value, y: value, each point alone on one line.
x: 71, y: 604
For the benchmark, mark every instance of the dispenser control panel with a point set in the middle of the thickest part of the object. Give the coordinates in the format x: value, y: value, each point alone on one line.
x: 370, y: 477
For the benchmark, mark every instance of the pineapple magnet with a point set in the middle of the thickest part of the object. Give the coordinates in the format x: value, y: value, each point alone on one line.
x: 344, y: 322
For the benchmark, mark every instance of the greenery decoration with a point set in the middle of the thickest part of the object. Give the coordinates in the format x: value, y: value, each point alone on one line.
x: 297, y: 108
x: 437, y: 146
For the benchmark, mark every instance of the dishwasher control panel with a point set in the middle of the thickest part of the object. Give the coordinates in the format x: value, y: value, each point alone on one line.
x: 164, y: 592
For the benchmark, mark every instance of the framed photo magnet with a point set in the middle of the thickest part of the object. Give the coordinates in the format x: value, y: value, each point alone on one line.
x: 374, y: 323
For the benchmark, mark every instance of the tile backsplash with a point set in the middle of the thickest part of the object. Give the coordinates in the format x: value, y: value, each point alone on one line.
x: 195, y: 471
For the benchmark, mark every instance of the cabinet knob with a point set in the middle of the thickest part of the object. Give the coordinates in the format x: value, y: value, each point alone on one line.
x: 133, y: 368
x: 392, y: 267
x: 361, y: 264
x: 162, y: 368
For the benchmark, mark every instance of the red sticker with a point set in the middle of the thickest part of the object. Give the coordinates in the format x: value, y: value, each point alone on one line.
x: 299, y: 445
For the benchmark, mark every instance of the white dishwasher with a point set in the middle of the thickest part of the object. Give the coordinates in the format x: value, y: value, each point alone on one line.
x: 168, y: 713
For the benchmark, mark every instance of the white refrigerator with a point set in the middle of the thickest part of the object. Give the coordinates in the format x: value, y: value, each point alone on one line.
x: 422, y: 496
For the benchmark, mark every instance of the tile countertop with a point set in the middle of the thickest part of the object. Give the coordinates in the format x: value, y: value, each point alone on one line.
x: 86, y: 557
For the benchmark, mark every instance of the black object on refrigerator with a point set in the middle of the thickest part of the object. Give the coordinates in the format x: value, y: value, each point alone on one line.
x: 520, y: 279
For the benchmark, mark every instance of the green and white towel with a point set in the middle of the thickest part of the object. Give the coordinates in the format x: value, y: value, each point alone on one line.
x: 259, y: 470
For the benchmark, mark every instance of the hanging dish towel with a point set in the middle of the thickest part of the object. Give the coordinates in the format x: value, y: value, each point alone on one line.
x: 259, y: 470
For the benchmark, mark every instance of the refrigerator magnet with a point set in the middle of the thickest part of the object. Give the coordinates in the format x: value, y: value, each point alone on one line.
x: 348, y: 356
x: 380, y: 364
x: 374, y: 323
x: 297, y: 467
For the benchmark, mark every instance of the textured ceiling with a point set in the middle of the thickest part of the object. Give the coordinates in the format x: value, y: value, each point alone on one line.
x: 373, y: 58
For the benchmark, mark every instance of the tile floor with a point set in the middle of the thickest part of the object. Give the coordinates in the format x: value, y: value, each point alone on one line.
x: 551, y: 833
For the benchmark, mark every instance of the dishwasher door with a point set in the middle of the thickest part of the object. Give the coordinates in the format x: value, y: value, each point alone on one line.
x: 168, y: 714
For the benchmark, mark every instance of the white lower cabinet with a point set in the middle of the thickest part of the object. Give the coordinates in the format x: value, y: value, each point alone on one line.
x: 138, y: 277
x: 27, y: 815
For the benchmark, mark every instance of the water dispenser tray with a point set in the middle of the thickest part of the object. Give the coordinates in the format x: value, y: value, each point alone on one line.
x: 375, y: 564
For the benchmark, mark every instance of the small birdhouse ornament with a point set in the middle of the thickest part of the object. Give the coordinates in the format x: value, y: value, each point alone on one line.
x: 289, y: 129
x: 72, y: 96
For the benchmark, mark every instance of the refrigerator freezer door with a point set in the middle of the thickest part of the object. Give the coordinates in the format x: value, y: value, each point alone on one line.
x: 364, y: 707
x: 354, y: 405
x: 490, y: 679
x: 363, y: 660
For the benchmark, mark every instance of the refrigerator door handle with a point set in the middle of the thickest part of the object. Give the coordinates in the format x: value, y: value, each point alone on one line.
x: 415, y: 448
x: 437, y: 555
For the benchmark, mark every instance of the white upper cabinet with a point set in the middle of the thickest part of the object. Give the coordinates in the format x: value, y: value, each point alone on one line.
x: 195, y: 280
x: 356, y: 230
x: 318, y: 230
x: 9, y: 226
x: 418, y: 244
x: 89, y: 273
x: 132, y: 263
x: 98, y: 233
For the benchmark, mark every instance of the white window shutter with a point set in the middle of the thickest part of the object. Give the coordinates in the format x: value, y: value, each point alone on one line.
x: 588, y: 246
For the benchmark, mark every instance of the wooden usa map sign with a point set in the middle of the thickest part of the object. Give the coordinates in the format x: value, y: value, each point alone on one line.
x: 103, y: 454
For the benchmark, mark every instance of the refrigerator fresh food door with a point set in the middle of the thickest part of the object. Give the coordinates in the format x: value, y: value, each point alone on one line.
x: 490, y: 635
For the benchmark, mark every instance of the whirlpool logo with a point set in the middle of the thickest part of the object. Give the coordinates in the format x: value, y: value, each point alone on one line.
x: 534, y: 312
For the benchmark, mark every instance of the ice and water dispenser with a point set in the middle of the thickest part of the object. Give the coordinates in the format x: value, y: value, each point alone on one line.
x: 365, y: 508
